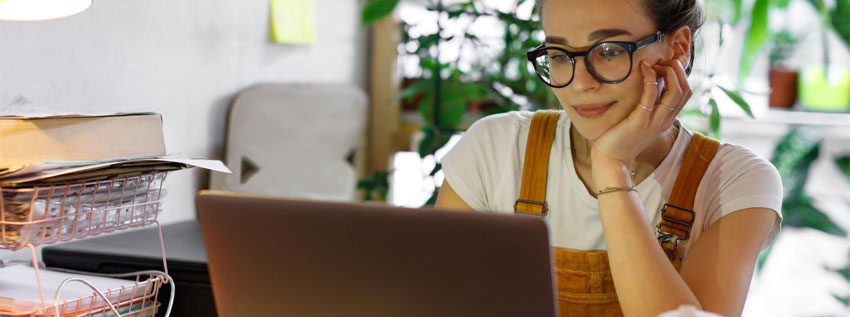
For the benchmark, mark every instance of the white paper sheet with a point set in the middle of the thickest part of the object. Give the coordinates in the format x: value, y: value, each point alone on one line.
x: 34, y: 172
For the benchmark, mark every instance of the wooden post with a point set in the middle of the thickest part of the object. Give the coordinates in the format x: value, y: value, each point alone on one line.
x: 384, y: 82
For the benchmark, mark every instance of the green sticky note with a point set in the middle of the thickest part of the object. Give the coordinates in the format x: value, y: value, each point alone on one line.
x: 293, y: 21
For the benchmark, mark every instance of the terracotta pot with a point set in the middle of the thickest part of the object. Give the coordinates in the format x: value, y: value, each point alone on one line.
x: 783, y: 87
x: 412, y: 105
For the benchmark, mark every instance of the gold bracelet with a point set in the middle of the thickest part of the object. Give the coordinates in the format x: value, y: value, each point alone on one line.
x: 616, y: 189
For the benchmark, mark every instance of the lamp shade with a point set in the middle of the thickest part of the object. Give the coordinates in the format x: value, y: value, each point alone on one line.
x: 36, y: 10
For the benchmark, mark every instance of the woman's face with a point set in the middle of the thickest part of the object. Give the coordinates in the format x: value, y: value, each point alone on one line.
x: 576, y: 25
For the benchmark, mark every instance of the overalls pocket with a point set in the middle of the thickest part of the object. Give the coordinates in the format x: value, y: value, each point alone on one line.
x: 585, y: 284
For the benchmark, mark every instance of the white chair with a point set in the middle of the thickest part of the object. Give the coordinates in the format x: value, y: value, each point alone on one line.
x: 295, y: 140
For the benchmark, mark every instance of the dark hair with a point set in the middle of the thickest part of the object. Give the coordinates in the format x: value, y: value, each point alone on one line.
x: 668, y: 15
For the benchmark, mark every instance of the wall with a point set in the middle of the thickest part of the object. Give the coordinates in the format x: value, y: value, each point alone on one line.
x: 185, y: 59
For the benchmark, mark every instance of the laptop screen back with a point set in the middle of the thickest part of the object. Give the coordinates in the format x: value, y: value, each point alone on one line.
x: 285, y: 257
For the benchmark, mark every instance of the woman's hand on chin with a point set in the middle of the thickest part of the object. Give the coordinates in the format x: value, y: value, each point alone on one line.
x: 623, y: 142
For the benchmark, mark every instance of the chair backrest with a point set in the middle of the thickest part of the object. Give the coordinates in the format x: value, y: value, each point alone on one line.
x: 295, y: 140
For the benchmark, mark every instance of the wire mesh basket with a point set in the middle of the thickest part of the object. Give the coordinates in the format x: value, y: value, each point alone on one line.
x: 32, y: 216
x: 139, y: 309
x: 77, y: 294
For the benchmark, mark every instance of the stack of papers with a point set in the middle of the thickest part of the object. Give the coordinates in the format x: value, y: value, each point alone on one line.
x: 52, y: 173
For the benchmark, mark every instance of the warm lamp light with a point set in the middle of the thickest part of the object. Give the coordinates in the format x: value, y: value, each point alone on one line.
x: 37, y: 10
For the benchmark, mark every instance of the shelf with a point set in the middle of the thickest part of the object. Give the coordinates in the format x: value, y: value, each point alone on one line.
x: 797, y: 117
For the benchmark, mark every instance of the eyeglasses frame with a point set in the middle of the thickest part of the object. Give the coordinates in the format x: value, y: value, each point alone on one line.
x: 630, y: 47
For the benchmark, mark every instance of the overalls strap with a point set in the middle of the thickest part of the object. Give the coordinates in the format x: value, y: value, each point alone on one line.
x: 677, y: 215
x: 532, y: 195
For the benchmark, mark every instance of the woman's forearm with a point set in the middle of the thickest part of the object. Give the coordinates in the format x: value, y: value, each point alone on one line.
x: 647, y: 284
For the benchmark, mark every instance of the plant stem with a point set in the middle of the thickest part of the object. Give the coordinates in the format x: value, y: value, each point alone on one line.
x: 437, y: 77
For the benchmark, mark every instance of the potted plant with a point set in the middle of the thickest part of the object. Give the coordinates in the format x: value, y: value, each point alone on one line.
x: 827, y: 87
x: 782, y: 77
x: 447, y: 89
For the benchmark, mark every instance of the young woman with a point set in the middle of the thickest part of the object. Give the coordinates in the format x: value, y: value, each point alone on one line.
x: 619, y: 69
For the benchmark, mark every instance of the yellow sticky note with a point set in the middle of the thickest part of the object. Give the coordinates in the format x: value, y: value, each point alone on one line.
x: 293, y: 21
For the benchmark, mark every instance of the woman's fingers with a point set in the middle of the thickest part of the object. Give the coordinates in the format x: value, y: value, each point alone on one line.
x: 671, y: 97
x: 683, y: 78
x: 646, y: 106
x: 685, y: 86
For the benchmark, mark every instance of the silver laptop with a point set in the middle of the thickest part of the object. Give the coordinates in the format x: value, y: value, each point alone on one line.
x: 281, y: 257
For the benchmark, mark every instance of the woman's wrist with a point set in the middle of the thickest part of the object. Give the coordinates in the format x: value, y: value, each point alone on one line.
x: 610, y: 173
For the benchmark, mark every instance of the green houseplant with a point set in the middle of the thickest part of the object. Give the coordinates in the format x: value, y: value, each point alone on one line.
x: 446, y: 90
x: 844, y: 165
x: 793, y: 158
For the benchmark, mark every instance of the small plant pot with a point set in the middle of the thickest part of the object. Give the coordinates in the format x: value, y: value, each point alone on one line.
x: 783, y: 88
x: 825, y: 92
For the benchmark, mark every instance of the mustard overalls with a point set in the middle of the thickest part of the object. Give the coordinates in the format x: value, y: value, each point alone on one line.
x: 583, y: 278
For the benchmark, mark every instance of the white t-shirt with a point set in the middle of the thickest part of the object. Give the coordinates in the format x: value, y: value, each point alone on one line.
x: 485, y: 170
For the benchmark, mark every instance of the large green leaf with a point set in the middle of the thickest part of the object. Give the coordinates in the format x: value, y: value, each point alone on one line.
x: 456, y: 102
x: 840, y: 18
x: 845, y: 272
x: 376, y: 187
x: 756, y: 36
x: 843, y: 300
x: 801, y: 214
x: 377, y: 9
x: 715, y: 118
x: 425, y: 43
x: 455, y: 98
x: 739, y: 10
x: 781, y: 4
x: 794, y: 154
x: 425, y: 107
x: 414, y: 89
x: 452, y: 108
x: 437, y: 168
x: 844, y: 165
x: 433, y: 141
x: 818, y: 4
x: 736, y: 97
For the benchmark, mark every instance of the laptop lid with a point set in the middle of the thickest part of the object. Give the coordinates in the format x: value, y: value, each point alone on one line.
x: 285, y: 257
